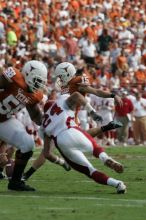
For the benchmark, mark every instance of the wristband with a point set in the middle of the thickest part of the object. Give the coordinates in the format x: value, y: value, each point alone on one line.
x: 112, y: 95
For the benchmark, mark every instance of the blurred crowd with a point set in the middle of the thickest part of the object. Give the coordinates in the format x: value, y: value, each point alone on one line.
x: 106, y: 39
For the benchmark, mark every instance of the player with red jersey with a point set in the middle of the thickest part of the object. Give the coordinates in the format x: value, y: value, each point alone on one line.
x: 19, y: 90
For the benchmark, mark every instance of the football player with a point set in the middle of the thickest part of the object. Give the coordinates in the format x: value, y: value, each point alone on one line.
x: 69, y: 82
x: 59, y: 122
x: 19, y: 90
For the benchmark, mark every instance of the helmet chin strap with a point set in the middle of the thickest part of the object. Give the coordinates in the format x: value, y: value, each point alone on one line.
x: 29, y: 89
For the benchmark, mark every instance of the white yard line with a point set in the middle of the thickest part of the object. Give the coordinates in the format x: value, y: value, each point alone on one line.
x: 122, y: 205
x: 82, y: 181
x: 57, y: 208
x: 138, y: 201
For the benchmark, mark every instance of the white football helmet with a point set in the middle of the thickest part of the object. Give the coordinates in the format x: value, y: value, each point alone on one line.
x: 35, y: 74
x: 65, y: 72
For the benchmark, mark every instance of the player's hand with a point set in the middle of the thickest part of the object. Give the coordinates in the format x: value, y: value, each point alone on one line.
x: 96, y: 117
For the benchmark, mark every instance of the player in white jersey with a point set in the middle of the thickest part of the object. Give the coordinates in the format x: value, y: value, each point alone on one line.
x: 72, y: 142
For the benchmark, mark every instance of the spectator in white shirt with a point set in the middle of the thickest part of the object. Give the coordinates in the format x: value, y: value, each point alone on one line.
x: 107, y: 5
x: 134, y: 58
x: 124, y: 35
x: 89, y: 52
x: 43, y: 46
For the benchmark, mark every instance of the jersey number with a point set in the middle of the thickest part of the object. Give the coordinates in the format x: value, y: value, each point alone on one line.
x: 9, y: 106
x: 54, y: 110
x: 85, y: 79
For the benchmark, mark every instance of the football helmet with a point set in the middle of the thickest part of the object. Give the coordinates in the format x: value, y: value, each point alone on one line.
x: 35, y: 74
x: 65, y: 72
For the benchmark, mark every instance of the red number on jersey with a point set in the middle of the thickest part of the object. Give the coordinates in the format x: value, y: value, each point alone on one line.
x: 54, y: 110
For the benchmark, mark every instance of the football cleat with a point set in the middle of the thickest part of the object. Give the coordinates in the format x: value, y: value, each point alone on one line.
x: 19, y: 186
x: 115, y: 124
x: 66, y: 166
x: 121, y: 188
x: 113, y: 164
x: 111, y: 125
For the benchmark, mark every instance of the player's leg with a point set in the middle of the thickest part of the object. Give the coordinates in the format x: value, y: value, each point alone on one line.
x: 78, y: 161
x: 103, y: 156
x: 90, y: 145
x: 108, y: 127
x: 57, y: 159
x: 35, y: 166
x: 86, y: 143
x: 41, y: 160
x: 13, y: 132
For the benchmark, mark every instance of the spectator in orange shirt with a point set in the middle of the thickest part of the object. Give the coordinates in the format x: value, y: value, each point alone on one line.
x: 74, y: 5
x: 140, y: 75
x: 122, y: 63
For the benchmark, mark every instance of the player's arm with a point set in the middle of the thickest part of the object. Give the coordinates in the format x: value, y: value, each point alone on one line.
x: 35, y: 113
x: 100, y: 93
x: 77, y: 99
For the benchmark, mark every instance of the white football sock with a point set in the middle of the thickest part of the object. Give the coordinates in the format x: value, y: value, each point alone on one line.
x: 113, y: 182
x: 103, y: 156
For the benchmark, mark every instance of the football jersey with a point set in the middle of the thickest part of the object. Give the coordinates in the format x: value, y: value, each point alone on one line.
x: 16, y: 96
x: 76, y: 81
x: 57, y: 117
x: 73, y: 86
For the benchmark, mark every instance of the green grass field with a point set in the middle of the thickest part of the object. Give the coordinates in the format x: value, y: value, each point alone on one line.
x: 72, y: 196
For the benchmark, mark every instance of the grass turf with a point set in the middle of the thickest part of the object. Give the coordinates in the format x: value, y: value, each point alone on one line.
x: 70, y: 195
